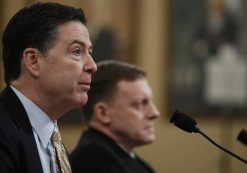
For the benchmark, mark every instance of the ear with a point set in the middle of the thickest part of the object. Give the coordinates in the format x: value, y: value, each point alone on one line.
x: 102, y: 112
x: 31, y: 60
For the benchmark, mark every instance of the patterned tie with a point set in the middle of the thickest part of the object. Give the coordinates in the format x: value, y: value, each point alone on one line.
x: 63, y: 162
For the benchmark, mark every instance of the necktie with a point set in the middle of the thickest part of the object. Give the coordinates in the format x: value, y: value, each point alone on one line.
x: 53, y: 162
x: 62, y: 158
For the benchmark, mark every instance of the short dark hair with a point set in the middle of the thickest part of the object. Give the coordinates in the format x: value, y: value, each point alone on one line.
x: 104, y: 82
x: 35, y: 26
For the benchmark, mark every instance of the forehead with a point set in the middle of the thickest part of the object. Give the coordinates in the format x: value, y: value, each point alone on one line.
x: 74, y: 30
x: 136, y: 88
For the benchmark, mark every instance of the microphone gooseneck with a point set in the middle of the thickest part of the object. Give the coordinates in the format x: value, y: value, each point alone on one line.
x: 188, y: 124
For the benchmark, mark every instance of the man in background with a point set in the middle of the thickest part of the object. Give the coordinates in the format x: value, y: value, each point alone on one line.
x: 120, y: 116
x: 47, y: 70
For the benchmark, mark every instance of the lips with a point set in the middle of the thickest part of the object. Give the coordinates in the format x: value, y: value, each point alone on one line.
x: 150, y: 128
x: 85, y: 85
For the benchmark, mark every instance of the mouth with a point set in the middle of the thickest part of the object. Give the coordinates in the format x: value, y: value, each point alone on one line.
x: 85, y: 86
x: 149, y: 128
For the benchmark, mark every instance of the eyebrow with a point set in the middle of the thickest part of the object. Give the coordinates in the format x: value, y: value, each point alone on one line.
x: 81, y: 43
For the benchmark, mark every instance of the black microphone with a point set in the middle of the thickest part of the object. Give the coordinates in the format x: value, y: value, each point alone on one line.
x: 184, y: 122
x: 188, y: 124
x: 242, y: 137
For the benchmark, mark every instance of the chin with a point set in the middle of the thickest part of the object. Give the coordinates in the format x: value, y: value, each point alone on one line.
x: 83, y: 99
x: 151, y: 139
x: 83, y: 102
x: 79, y: 103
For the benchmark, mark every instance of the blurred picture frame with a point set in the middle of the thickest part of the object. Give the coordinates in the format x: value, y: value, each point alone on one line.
x: 209, y: 67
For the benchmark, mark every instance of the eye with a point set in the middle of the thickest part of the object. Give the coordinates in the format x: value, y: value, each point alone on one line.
x: 90, y: 51
x: 141, y: 104
x: 77, y: 51
x: 145, y: 103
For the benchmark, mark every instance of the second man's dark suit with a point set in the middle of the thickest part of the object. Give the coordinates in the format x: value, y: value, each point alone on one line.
x: 97, y: 153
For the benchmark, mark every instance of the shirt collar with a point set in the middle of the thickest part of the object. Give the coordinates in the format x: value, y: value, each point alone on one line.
x: 132, y: 154
x: 40, y: 121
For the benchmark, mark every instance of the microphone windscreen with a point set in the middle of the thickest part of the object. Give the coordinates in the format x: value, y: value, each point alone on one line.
x: 184, y: 122
x: 242, y: 137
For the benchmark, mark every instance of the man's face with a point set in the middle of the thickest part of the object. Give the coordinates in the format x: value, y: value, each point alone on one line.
x: 66, y: 68
x: 132, y: 113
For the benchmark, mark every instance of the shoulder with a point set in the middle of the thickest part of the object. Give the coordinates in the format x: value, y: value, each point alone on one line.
x: 95, y: 143
x: 91, y: 150
x: 9, y: 140
x: 7, y: 125
x: 94, y: 156
x: 145, y: 164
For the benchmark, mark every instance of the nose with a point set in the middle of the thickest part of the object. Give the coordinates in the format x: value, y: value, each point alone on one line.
x: 154, y: 112
x: 90, y: 65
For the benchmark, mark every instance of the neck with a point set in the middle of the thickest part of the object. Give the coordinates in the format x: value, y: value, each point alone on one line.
x: 126, y: 146
x: 39, y: 99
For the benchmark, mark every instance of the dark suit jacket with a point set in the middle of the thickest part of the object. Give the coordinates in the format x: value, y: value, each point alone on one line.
x: 97, y: 153
x: 18, y: 150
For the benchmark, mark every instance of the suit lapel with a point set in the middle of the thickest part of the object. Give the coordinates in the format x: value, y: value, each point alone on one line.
x: 16, y: 109
x: 19, y: 116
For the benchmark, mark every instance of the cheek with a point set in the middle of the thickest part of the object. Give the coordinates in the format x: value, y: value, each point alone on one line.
x: 126, y: 118
x: 69, y: 72
x: 132, y: 122
x: 61, y: 76
x: 122, y: 120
